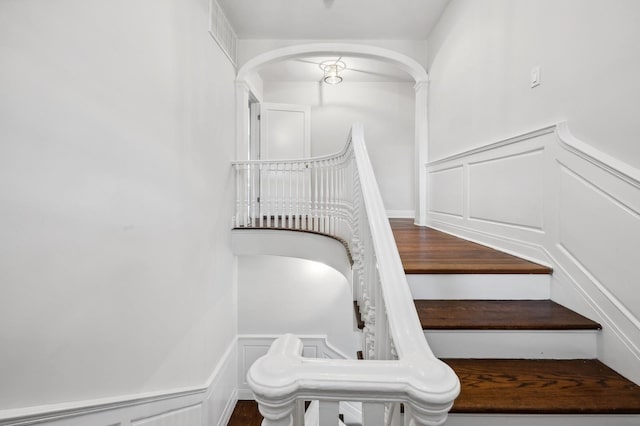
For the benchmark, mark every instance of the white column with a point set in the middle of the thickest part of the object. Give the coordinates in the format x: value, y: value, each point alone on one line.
x: 421, y: 151
x: 242, y: 120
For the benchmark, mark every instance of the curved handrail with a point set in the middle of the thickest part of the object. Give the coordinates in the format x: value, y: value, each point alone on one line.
x: 341, y: 153
x: 416, y: 377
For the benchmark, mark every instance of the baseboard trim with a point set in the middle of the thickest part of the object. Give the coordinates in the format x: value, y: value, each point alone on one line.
x: 528, y: 251
x: 401, y: 214
x: 223, y: 420
x: 187, y: 396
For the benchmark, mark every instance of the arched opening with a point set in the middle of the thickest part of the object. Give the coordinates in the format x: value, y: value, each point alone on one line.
x: 245, y: 90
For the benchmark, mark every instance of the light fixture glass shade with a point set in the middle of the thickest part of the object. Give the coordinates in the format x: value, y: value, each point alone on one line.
x: 332, y: 71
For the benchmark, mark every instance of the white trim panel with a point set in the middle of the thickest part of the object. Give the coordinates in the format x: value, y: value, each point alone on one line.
x: 564, y: 204
x: 496, y: 185
x: 519, y: 344
x: 448, y: 199
x: 480, y: 286
x: 401, y: 214
x: 211, y: 404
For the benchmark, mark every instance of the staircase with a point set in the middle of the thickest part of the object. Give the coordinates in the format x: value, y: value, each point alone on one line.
x: 520, y: 357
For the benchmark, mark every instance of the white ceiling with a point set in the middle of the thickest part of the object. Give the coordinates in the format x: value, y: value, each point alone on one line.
x: 333, y: 19
x: 357, y: 70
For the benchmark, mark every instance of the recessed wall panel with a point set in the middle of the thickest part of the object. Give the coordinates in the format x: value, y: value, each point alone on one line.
x: 189, y: 416
x: 445, y: 191
x: 603, y: 235
x: 508, y: 190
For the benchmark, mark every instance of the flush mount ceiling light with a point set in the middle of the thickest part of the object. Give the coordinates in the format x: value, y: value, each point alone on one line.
x: 332, y: 70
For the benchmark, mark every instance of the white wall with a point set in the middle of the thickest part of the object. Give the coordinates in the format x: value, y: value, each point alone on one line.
x: 116, y: 270
x: 481, y: 54
x: 278, y: 295
x: 387, y: 112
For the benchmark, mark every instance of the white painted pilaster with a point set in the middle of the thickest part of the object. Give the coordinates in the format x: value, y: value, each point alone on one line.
x: 421, y: 151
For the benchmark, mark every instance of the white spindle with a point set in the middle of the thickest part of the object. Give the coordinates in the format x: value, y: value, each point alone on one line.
x: 296, y: 208
x: 328, y: 413
x: 373, y: 414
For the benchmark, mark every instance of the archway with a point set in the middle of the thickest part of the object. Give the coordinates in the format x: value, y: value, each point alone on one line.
x: 403, y: 62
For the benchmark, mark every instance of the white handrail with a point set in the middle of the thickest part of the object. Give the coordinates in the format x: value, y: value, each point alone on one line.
x: 340, y: 197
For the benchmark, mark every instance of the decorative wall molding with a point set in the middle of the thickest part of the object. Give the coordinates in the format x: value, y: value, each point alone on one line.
x: 598, y: 158
x: 167, y: 408
x: 589, y: 209
x: 192, y: 415
x: 253, y: 346
x: 495, y: 145
x: 450, y: 199
x: 222, y: 32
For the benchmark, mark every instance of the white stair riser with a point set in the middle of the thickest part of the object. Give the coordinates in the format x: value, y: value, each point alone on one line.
x: 480, y: 286
x: 527, y: 344
x: 541, y: 420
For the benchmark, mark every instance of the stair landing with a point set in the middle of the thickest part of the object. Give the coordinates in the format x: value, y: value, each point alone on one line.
x: 425, y: 250
x: 245, y: 413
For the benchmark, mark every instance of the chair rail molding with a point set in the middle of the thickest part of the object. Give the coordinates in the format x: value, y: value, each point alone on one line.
x: 209, y: 404
x: 550, y: 197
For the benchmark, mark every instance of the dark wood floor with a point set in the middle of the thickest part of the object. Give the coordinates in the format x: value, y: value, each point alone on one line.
x: 427, y: 251
x: 246, y: 414
x: 499, y: 315
x: 542, y: 387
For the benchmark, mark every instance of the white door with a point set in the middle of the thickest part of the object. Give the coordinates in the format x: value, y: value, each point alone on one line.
x: 285, y: 134
x: 285, y: 131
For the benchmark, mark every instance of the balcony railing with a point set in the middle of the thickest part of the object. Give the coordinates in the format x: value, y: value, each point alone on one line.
x: 338, y: 196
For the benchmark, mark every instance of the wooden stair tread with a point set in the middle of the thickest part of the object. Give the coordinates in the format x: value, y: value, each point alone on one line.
x: 499, y: 315
x: 542, y: 387
x: 424, y: 250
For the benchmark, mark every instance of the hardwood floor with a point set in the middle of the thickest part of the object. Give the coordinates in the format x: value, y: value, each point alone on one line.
x: 499, y: 315
x: 542, y: 387
x: 246, y: 414
x: 427, y: 251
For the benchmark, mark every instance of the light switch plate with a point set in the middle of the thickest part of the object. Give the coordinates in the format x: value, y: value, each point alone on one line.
x: 535, y: 76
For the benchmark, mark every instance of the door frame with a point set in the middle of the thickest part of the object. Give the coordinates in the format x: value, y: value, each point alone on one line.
x: 305, y: 109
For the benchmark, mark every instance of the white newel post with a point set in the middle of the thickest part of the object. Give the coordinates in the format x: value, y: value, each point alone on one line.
x: 421, y: 150
x: 277, y: 415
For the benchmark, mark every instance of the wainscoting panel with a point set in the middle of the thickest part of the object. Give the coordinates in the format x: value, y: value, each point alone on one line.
x: 208, y: 405
x: 591, y: 219
x: 184, y: 416
x: 508, y: 190
x: 448, y: 198
x: 549, y: 197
